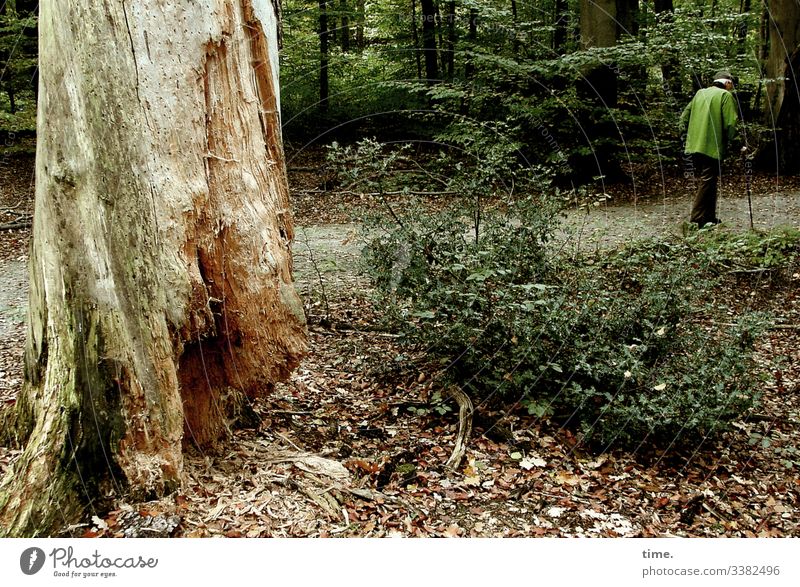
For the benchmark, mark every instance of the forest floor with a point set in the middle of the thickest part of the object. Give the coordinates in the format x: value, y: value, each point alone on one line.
x: 351, y: 447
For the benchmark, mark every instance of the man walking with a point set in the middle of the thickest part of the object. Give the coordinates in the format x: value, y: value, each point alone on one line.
x: 711, y: 120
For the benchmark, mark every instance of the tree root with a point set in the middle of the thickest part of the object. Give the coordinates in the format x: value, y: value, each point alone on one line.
x: 465, y: 411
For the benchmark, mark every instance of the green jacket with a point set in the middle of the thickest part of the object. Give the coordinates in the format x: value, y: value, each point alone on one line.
x: 711, y: 118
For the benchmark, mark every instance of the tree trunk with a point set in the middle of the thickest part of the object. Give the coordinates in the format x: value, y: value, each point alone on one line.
x: 415, y: 35
x: 784, y: 34
x: 783, y: 106
x: 788, y: 135
x: 599, y: 29
x: 345, y: 37
x: 627, y: 19
x: 472, y: 38
x: 160, y: 271
x: 560, y: 21
x: 439, y: 28
x: 361, y: 7
x: 323, y: 55
x: 429, y: 40
x: 451, y: 38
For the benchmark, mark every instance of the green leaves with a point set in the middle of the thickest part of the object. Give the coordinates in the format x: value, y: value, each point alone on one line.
x: 612, y: 344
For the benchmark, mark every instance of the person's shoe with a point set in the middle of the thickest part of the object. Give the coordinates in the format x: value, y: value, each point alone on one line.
x: 712, y: 223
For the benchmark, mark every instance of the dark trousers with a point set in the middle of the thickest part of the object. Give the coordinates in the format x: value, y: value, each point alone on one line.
x: 706, y: 172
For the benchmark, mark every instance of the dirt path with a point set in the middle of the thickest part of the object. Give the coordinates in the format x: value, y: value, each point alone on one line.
x: 610, y: 224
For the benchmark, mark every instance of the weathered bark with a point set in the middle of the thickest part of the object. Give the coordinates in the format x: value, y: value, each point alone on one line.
x: 600, y: 29
x: 782, y: 107
x: 160, y: 272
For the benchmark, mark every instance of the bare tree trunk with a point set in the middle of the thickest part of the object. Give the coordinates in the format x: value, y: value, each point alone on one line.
x: 415, y: 35
x: 599, y: 29
x: 361, y: 7
x: 429, y: 40
x: 560, y: 20
x: 345, y: 38
x: 324, y: 32
x: 783, y: 91
x: 439, y: 28
x: 160, y: 273
x: 741, y: 28
x: 451, y: 38
x: 472, y: 37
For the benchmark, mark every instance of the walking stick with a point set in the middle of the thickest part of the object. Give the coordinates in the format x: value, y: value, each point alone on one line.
x: 748, y: 169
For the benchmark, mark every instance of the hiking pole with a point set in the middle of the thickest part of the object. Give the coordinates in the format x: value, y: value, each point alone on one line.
x: 748, y: 169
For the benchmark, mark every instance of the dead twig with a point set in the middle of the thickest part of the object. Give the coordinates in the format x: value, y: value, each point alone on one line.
x: 772, y: 419
x: 16, y: 225
x: 316, y: 268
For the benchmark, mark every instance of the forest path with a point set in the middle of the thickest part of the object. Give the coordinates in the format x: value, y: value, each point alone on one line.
x: 333, y: 250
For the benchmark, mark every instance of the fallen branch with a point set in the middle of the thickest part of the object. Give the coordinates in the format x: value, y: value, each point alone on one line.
x: 772, y: 419
x: 393, y: 193
x: 465, y: 411
x: 16, y: 225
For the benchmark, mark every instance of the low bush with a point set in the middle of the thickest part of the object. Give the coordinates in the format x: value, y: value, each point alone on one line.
x: 622, y: 344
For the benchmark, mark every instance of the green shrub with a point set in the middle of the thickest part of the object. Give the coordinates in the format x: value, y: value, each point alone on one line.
x: 615, y: 344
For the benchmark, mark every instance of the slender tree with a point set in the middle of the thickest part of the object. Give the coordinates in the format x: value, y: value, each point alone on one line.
x: 324, y: 33
x: 451, y: 38
x: 415, y: 36
x: 560, y: 23
x: 665, y: 12
x: 472, y: 37
x: 345, y: 30
x: 361, y: 15
x: 428, y: 9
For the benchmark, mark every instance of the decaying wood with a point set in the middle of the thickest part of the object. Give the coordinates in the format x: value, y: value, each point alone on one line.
x: 161, y: 274
x: 465, y: 411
